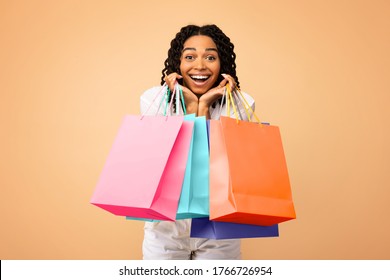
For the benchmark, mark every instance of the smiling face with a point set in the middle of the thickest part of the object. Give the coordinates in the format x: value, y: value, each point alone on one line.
x: 199, y: 64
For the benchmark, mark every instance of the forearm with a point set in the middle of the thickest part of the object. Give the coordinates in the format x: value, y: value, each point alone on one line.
x: 192, y: 108
x: 203, y: 110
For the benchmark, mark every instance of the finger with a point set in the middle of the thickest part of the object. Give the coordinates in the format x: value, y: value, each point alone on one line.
x: 171, y: 80
x: 223, y: 83
x: 174, y: 76
x: 230, y: 80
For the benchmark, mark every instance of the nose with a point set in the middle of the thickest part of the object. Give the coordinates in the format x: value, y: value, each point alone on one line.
x: 200, y: 64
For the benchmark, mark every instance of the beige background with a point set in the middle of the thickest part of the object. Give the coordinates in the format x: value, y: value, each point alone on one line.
x: 70, y: 70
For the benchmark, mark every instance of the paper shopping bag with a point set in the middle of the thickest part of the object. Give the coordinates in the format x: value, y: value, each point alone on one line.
x: 144, y: 171
x: 249, y: 181
x: 194, y: 198
x: 204, y: 228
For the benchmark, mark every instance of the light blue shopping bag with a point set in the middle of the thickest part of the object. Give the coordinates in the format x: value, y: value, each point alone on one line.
x: 194, y: 198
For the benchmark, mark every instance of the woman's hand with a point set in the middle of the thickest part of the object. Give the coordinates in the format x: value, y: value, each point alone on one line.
x: 190, y: 99
x: 170, y: 80
x: 200, y: 105
x: 207, y: 99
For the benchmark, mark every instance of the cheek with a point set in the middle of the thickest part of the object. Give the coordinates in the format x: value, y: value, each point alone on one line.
x: 183, y: 66
x: 216, y: 68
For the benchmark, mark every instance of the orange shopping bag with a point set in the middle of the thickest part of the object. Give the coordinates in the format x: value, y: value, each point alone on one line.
x: 249, y: 181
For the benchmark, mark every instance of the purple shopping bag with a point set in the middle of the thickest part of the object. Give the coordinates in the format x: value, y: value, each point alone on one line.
x: 204, y: 228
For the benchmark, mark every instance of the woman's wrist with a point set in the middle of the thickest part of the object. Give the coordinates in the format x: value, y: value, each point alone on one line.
x: 203, y: 109
x: 192, y: 108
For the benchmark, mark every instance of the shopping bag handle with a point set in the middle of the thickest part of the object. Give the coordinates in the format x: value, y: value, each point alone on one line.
x: 247, y: 106
x: 226, y: 94
x: 229, y: 100
x: 178, y: 94
x: 235, y: 97
x: 166, y: 94
x: 164, y: 86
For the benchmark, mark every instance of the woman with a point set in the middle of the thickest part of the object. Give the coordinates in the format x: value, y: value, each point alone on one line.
x: 202, y: 60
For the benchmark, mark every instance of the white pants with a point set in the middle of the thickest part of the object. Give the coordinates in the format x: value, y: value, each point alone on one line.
x: 171, y: 241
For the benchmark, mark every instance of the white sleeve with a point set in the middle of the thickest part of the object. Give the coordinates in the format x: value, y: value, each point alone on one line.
x: 249, y: 101
x: 149, y: 101
x: 242, y: 112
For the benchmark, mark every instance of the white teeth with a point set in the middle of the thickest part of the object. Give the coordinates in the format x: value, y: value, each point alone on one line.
x: 199, y: 77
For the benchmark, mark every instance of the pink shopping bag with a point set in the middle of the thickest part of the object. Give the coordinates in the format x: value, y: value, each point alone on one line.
x: 144, y: 171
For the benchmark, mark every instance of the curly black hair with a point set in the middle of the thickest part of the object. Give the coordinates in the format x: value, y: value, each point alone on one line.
x: 224, y: 46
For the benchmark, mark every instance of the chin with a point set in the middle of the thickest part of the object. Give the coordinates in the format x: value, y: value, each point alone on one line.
x: 199, y: 91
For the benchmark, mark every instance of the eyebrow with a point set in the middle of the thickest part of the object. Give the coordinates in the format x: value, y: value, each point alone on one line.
x: 194, y: 49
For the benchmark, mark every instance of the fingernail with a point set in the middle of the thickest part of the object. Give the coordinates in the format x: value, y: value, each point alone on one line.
x: 224, y: 75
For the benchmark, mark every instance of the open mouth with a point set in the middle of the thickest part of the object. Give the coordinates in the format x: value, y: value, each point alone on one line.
x: 199, y: 78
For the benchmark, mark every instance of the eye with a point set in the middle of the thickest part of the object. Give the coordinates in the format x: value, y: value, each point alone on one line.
x: 189, y: 57
x: 211, y: 58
